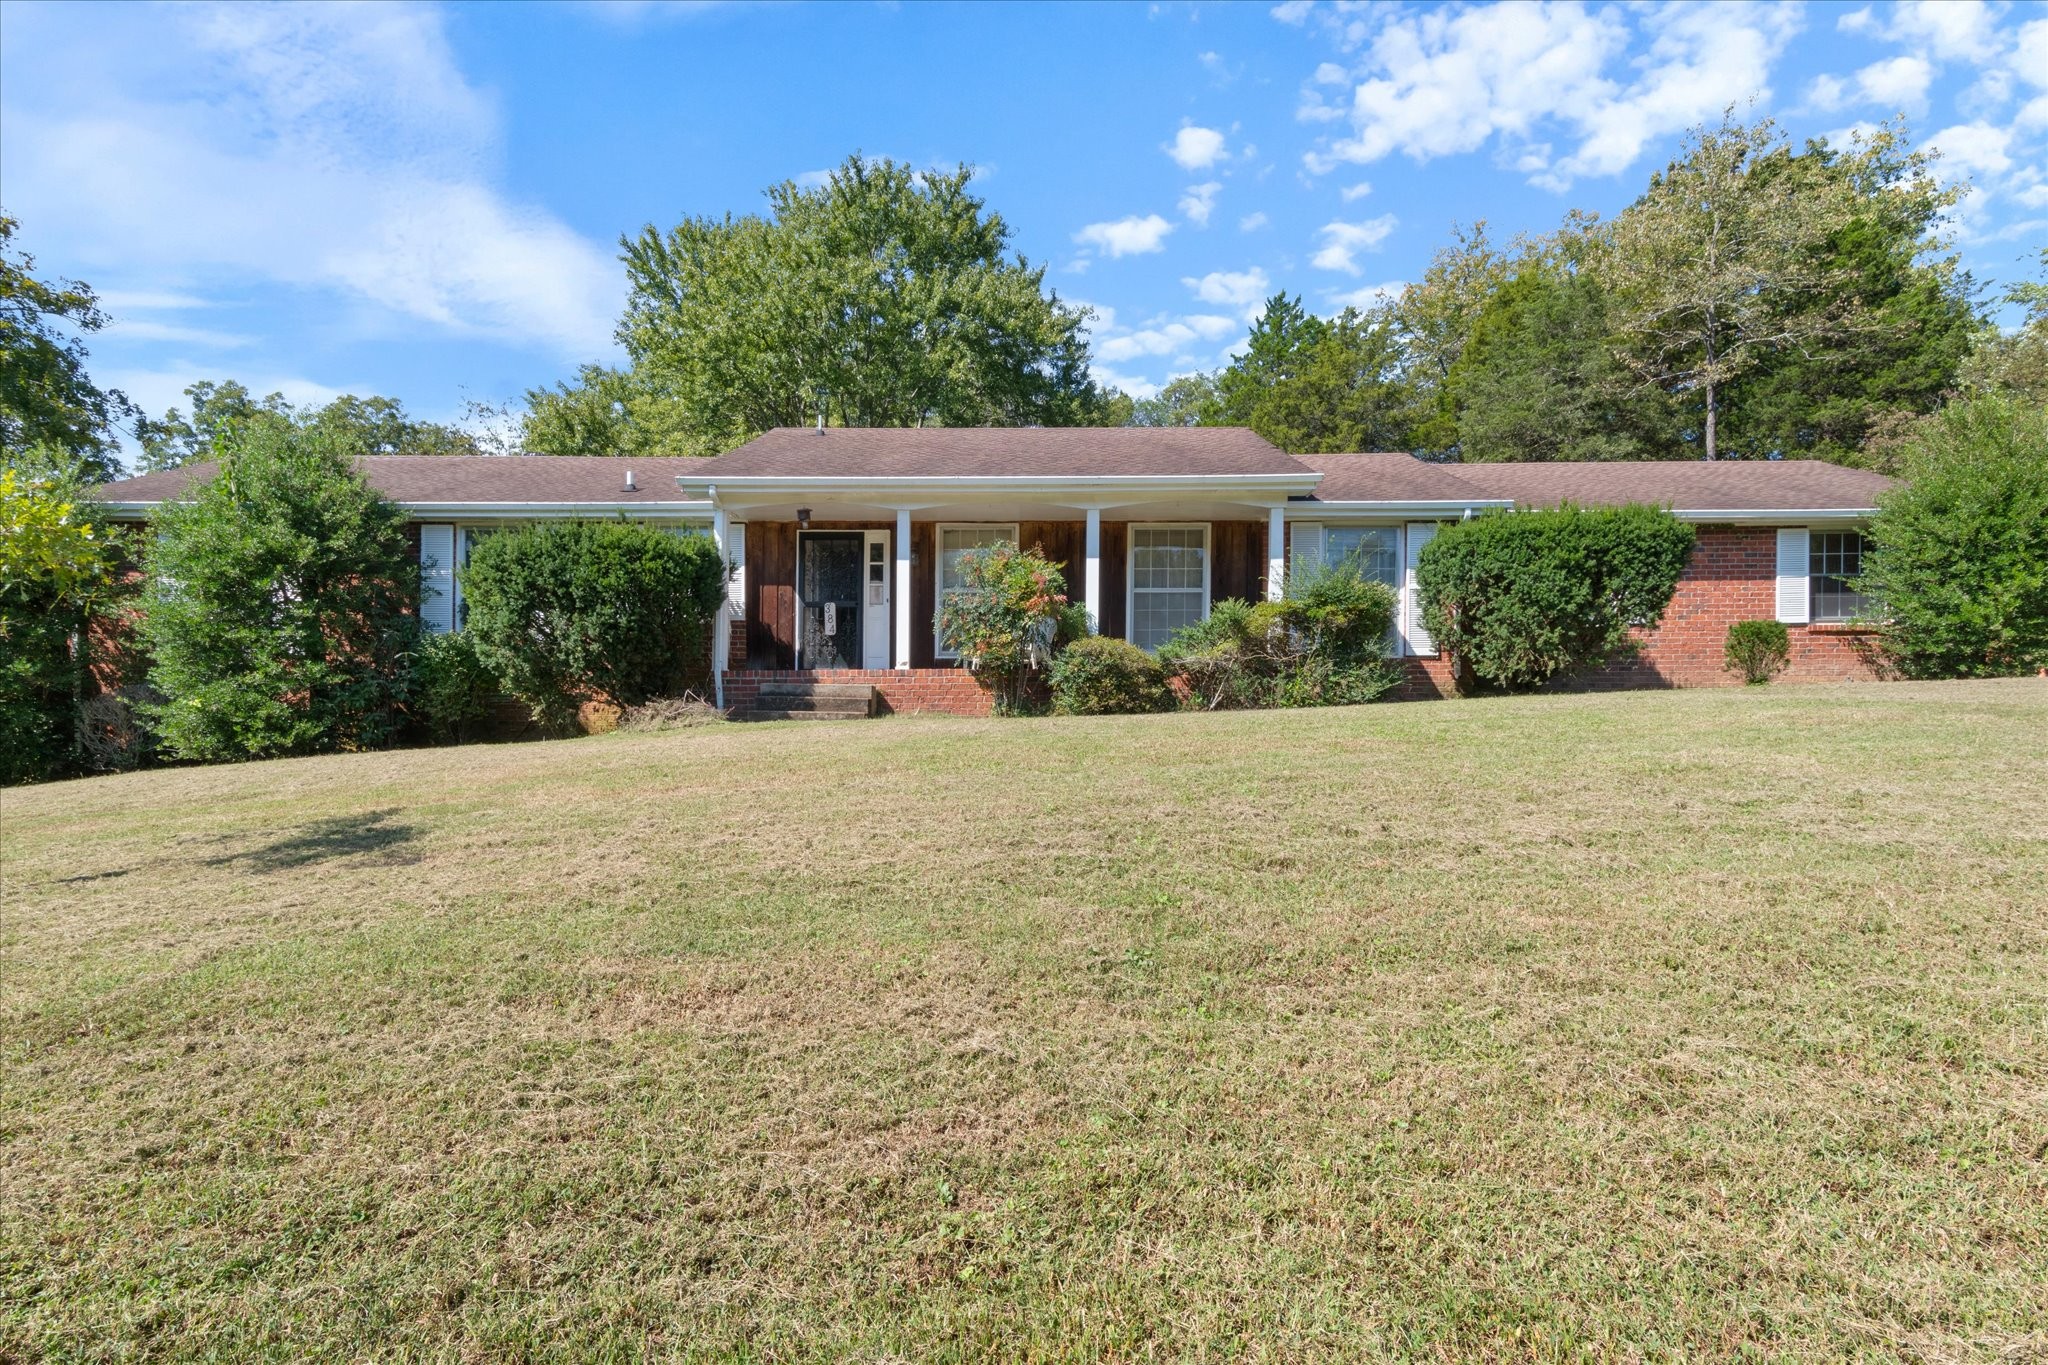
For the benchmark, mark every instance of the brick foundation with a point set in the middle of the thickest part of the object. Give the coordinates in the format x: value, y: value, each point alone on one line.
x: 944, y: 691
x: 1732, y: 576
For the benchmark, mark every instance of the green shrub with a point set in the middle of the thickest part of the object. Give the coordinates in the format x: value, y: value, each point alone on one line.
x: 584, y: 610
x: 1516, y: 599
x: 1004, y: 619
x: 1102, y: 676
x: 1958, y: 555
x: 1323, y: 644
x: 1758, y: 649
x: 281, y: 604
x: 453, y: 690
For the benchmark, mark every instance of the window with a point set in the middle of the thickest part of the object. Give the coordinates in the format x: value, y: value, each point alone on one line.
x: 1376, y: 550
x: 1836, y: 557
x: 1169, y: 581
x: 955, y: 541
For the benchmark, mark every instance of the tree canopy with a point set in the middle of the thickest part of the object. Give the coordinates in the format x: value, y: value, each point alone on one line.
x: 360, y: 426
x: 47, y: 401
x: 885, y: 296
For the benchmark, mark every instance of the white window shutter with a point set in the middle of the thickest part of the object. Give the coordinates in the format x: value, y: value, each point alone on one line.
x: 1304, y: 547
x: 1420, y: 533
x: 1794, y: 606
x: 437, y: 577
x: 736, y: 555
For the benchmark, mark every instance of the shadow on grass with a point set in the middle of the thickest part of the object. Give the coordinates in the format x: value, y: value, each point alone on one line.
x: 371, y: 837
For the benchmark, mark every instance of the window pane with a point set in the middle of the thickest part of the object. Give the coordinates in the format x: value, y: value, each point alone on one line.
x: 1370, y: 548
x: 1835, y: 558
x: 1166, y: 582
x: 955, y: 541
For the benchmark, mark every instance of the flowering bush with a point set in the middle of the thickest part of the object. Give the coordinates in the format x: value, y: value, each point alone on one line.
x: 1005, y: 618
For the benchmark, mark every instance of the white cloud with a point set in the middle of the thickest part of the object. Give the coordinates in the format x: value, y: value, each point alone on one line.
x: 325, y: 148
x: 1252, y: 222
x: 1236, y: 289
x: 1368, y: 296
x: 1131, y: 236
x: 1166, y: 338
x: 1343, y: 241
x: 1827, y: 93
x: 1292, y: 11
x: 1898, y: 81
x: 1199, y: 202
x: 1447, y: 81
x: 1948, y: 30
x: 1974, y: 149
x: 142, y: 329
x: 1355, y: 192
x: 1196, y: 149
x: 1329, y: 73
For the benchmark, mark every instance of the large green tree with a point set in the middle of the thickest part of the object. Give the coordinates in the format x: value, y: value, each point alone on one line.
x: 47, y: 401
x: 2015, y: 363
x: 1724, y: 262
x: 1536, y: 379
x: 1318, y: 385
x: 1905, y: 312
x: 362, y: 426
x: 1179, y: 404
x: 885, y: 297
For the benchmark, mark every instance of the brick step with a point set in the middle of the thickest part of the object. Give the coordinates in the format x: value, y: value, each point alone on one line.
x: 837, y: 706
x: 861, y: 691
x: 761, y: 713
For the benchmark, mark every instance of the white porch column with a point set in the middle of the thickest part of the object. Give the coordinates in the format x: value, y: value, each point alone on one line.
x: 721, y: 635
x: 1091, y: 580
x: 902, y: 598
x: 1276, y: 554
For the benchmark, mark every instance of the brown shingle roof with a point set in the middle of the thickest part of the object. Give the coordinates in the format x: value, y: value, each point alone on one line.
x: 469, y: 478
x: 991, y: 452
x: 1693, y: 485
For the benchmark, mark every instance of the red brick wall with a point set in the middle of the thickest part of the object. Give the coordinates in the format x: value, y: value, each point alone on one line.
x: 949, y: 691
x: 1732, y: 576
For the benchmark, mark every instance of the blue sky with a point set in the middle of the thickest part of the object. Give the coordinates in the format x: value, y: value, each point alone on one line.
x: 424, y: 201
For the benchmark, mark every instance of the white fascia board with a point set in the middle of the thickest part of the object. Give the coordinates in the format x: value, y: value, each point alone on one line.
x: 493, y: 511
x: 1089, y: 487
x: 1437, y: 510
x: 1772, y: 516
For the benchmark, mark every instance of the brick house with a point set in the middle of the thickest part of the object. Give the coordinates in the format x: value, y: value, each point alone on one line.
x: 843, y: 540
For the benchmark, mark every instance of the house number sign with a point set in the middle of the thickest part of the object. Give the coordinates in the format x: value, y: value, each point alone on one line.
x: 831, y: 618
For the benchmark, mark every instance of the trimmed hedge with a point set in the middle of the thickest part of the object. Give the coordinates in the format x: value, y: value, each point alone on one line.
x: 1323, y: 644
x: 1516, y: 599
x: 576, y: 611
x: 1102, y: 676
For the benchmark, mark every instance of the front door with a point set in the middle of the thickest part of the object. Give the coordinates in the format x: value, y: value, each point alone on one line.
x: 829, y: 567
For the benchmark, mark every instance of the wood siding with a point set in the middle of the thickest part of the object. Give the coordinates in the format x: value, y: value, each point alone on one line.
x: 1237, y: 568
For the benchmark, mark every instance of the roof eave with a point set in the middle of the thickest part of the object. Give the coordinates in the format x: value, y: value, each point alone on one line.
x: 1091, y: 486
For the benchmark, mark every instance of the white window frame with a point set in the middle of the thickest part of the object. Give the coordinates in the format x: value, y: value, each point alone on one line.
x: 1131, y: 588
x: 939, y: 529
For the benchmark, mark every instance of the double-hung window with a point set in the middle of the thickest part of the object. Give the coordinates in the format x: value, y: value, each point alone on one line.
x: 1375, y: 551
x: 1835, y: 559
x: 1169, y: 573
x: 955, y: 542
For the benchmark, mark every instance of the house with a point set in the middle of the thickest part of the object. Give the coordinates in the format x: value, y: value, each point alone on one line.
x: 843, y: 541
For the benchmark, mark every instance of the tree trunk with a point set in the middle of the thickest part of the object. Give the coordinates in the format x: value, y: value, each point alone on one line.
x: 1713, y: 412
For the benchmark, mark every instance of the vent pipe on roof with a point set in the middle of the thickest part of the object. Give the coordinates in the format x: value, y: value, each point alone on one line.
x: 631, y: 487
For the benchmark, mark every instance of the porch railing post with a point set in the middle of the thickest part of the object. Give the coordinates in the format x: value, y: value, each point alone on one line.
x: 1276, y: 554
x: 1091, y: 582
x: 902, y: 598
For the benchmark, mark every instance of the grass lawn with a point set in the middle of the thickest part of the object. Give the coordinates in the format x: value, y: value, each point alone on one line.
x: 1680, y: 1025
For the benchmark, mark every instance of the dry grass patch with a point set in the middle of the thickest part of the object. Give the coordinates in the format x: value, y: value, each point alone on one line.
x: 1688, y: 1025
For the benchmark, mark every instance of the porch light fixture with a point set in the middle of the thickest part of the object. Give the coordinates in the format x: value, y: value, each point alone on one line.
x: 803, y: 518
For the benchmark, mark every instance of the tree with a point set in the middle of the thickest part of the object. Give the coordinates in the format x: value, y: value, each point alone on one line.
x: 1435, y: 317
x: 1958, y: 561
x: 362, y: 426
x: 605, y: 411
x: 1724, y: 261
x: 567, y: 612
x: 1180, y: 404
x: 46, y: 399
x: 2015, y: 363
x: 58, y: 575
x: 281, y: 602
x: 884, y: 297
x: 1913, y: 318
x: 1311, y: 385
x: 1536, y: 379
